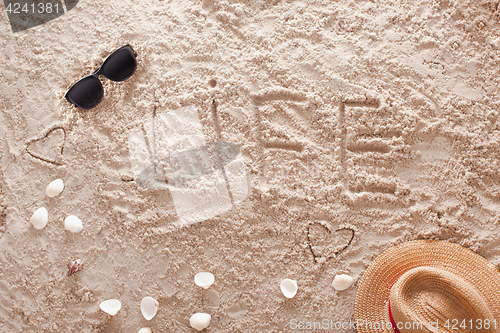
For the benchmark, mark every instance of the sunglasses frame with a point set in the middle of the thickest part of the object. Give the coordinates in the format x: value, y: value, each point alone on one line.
x: 98, y: 72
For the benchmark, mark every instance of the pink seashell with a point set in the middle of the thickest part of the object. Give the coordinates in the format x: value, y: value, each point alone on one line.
x: 74, y: 266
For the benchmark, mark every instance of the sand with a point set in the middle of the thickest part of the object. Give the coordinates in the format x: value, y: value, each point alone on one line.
x: 361, y: 125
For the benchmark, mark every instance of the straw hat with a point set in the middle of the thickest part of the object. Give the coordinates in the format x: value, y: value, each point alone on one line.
x: 429, y: 286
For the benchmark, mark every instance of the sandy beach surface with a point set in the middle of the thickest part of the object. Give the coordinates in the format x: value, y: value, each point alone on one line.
x: 356, y: 126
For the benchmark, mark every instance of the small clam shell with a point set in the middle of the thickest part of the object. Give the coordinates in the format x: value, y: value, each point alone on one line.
x: 145, y: 330
x: 289, y: 288
x: 39, y: 218
x: 204, y: 279
x: 342, y: 282
x: 74, y: 266
x: 149, y: 306
x: 200, y: 321
x: 111, y: 306
x: 73, y: 224
x: 55, y: 188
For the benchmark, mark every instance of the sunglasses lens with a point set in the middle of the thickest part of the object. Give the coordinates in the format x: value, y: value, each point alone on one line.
x: 86, y: 93
x: 120, y: 66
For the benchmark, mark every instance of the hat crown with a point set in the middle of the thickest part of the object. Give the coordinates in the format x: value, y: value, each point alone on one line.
x: 424, y: 298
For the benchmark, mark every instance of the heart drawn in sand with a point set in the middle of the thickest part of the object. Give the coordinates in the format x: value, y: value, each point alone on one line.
x: 49, y: 148
x: 325, y: 243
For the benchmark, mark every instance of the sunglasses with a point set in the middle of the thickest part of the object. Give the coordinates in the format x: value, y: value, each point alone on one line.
x: 118, y: 66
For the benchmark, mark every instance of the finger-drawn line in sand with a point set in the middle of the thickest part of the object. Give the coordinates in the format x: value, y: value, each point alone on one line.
x: 343, y: 145
x: 216, y: 151
x: 437, y: 108
x: 361, y: 146
x: 348, y: 239
x: 259, y: 139
x: 364, y: 101
x: 205, y: 179
x: 3, y: 214
x: 272, y: 94
x: 283, y: 145
x: 3, y: 205
x: 48, y: 144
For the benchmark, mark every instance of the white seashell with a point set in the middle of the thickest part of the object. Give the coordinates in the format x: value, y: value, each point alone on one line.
x: 73, y: 224
x: 289, y: 288
x: 342, y: 282
x: 39, y: 218
x: 145, y: 330
x: 199, y: 320
x: 204, y: 279
x: 111, y: 306
x: 55, y: 188
x: 149, y: 306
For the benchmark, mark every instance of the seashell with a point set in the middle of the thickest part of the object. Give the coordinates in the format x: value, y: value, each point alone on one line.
x: 204, y: 279
x: 74, y: 266
x: 149, y: 306
x: 111, y: 306
x: 55, y: 188
x: 39, y: 218
x: 145, y: 330
x: 342, y: 282
x: 73, y: 224
x: 289, y: 288
x: 199, y: 320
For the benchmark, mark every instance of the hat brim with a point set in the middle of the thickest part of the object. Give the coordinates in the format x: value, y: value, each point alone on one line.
x: 371, y: 305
